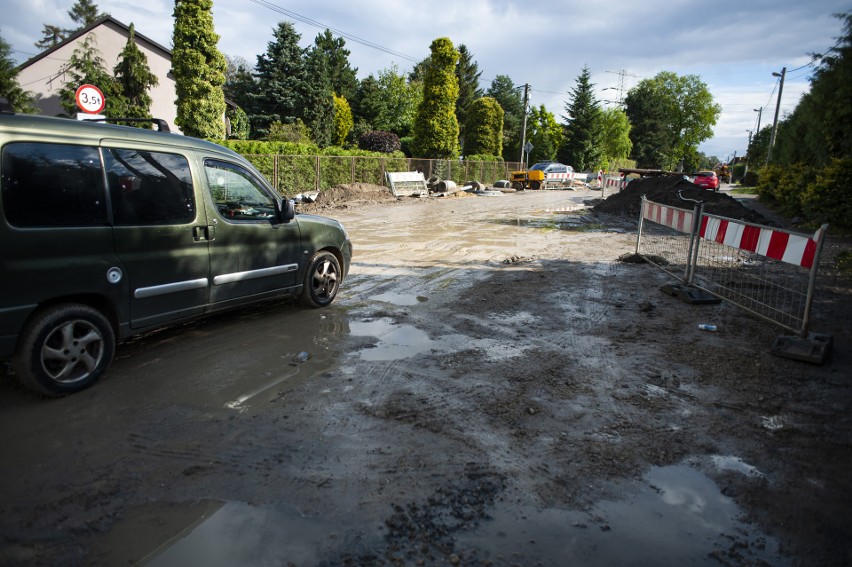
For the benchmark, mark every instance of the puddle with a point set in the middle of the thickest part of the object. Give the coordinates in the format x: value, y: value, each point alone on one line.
x: 566, y: 222
x: 677, y: 517
x: 396, y: 342
x: 399, y: 298
x: 736, y: 464
x: 242, y: 534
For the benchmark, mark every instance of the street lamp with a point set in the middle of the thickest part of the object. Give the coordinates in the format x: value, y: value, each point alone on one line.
x: 759, y: 114
x: 777, y: 108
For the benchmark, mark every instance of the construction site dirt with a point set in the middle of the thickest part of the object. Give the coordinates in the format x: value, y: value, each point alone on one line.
x: 494, y: 385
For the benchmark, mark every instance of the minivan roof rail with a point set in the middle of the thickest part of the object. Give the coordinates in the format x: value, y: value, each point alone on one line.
x: 161, y: 124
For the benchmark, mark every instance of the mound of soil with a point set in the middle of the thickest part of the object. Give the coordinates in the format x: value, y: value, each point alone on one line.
x: 671, y: 190
x: 342, y: 196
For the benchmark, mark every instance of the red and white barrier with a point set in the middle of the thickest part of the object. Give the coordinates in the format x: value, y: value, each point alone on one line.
x: 678, y: 219
x: 790, y: 248
x: 564, y: 178
x: 619, y: 182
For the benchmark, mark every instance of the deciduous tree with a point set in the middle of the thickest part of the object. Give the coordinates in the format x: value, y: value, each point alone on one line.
x: 615, y: 136
x: 544, y: 133
x: 671, y: 115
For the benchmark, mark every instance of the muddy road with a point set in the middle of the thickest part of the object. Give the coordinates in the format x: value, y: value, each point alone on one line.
x: 492, y: 387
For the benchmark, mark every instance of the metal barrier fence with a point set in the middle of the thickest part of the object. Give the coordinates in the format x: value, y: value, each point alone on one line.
x: 292, y: 174
x: 665, y: 237
x: 767, y: 271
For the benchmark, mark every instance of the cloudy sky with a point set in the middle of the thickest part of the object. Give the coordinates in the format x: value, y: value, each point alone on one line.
x: 734, y: 46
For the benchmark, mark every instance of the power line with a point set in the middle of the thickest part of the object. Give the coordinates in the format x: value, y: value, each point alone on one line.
x: 341, y: 33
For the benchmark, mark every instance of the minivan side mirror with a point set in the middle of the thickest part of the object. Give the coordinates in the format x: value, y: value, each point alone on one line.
x: 288, y: 210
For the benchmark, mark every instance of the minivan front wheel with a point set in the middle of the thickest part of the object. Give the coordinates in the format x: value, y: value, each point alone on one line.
x: 322, y: 279
x: 64, y: 349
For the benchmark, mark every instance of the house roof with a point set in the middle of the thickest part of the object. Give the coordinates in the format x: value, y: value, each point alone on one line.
x: 86, y: 30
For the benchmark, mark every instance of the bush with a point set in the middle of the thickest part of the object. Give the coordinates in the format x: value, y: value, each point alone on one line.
x: 379, y: 141
x: 784, y: 187
x: 751, y: 178
x: 407, y: 143
x: 239, y: 123
x: 297, y: 132
x: 829, y: 197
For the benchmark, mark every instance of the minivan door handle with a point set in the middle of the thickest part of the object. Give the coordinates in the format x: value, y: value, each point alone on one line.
x: 203, y: 233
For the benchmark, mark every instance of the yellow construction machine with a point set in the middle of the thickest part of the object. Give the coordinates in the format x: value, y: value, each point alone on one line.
x: 530, y: 179
x: 723, y: 173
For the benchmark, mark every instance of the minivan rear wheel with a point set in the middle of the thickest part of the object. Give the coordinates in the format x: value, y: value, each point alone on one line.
x: 64, y: 349
x: 322, y: 279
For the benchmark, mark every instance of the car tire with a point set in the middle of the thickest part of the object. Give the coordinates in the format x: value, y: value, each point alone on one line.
x: 535, y: 185
x: 322, y: 279
x: 64, y: 349
x: 518, y: 186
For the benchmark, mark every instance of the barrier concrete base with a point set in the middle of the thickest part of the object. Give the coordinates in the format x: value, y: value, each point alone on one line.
x: 691, y: 295
x: 814, y: 348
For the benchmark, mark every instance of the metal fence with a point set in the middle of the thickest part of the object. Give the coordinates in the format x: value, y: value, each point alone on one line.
x: 665, y: 237
x: 292, y: 174
x: 767, y: 271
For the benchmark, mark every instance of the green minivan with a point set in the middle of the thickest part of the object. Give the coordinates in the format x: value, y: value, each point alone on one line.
x: 108, y: 231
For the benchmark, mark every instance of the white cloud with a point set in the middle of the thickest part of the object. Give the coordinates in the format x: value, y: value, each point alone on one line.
x: 733, y: 46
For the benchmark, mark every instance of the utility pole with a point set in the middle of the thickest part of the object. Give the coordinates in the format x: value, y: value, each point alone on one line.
x: 748, y: 153
x: 777, y: 108
x: 759, y: 114
x: 524, y: 129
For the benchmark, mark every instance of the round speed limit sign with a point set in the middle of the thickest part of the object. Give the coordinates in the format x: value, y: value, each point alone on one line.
x: 90, y: 99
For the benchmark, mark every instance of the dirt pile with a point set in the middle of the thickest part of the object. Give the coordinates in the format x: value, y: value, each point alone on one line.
x: 672, y: 190
x: 349, y: 194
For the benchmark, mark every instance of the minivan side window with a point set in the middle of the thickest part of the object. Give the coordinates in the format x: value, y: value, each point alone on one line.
x: 236, y: 193
x: 47, y: 185
x: 149, y: 188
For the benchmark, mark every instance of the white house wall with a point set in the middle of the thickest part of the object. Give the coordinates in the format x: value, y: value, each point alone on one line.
x: 45, y: 77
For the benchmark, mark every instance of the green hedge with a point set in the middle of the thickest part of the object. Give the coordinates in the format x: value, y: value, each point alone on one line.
x: 818, y: 196
x: 829, y: 197
x: 297, y: 168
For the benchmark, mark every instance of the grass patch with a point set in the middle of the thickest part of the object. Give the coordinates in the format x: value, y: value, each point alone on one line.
x: 744, y: 191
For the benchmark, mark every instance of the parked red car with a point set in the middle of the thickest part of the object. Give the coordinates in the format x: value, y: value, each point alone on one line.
x: 707, y: 180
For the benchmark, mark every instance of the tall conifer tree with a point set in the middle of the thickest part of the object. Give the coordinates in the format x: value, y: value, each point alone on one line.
x: 436, y: 128
x: 280, y: 76
x: 135, y: 79
x: 199, y: 71
x: 581, y: 147
x: 10, y: 89
x: 468, y: 73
